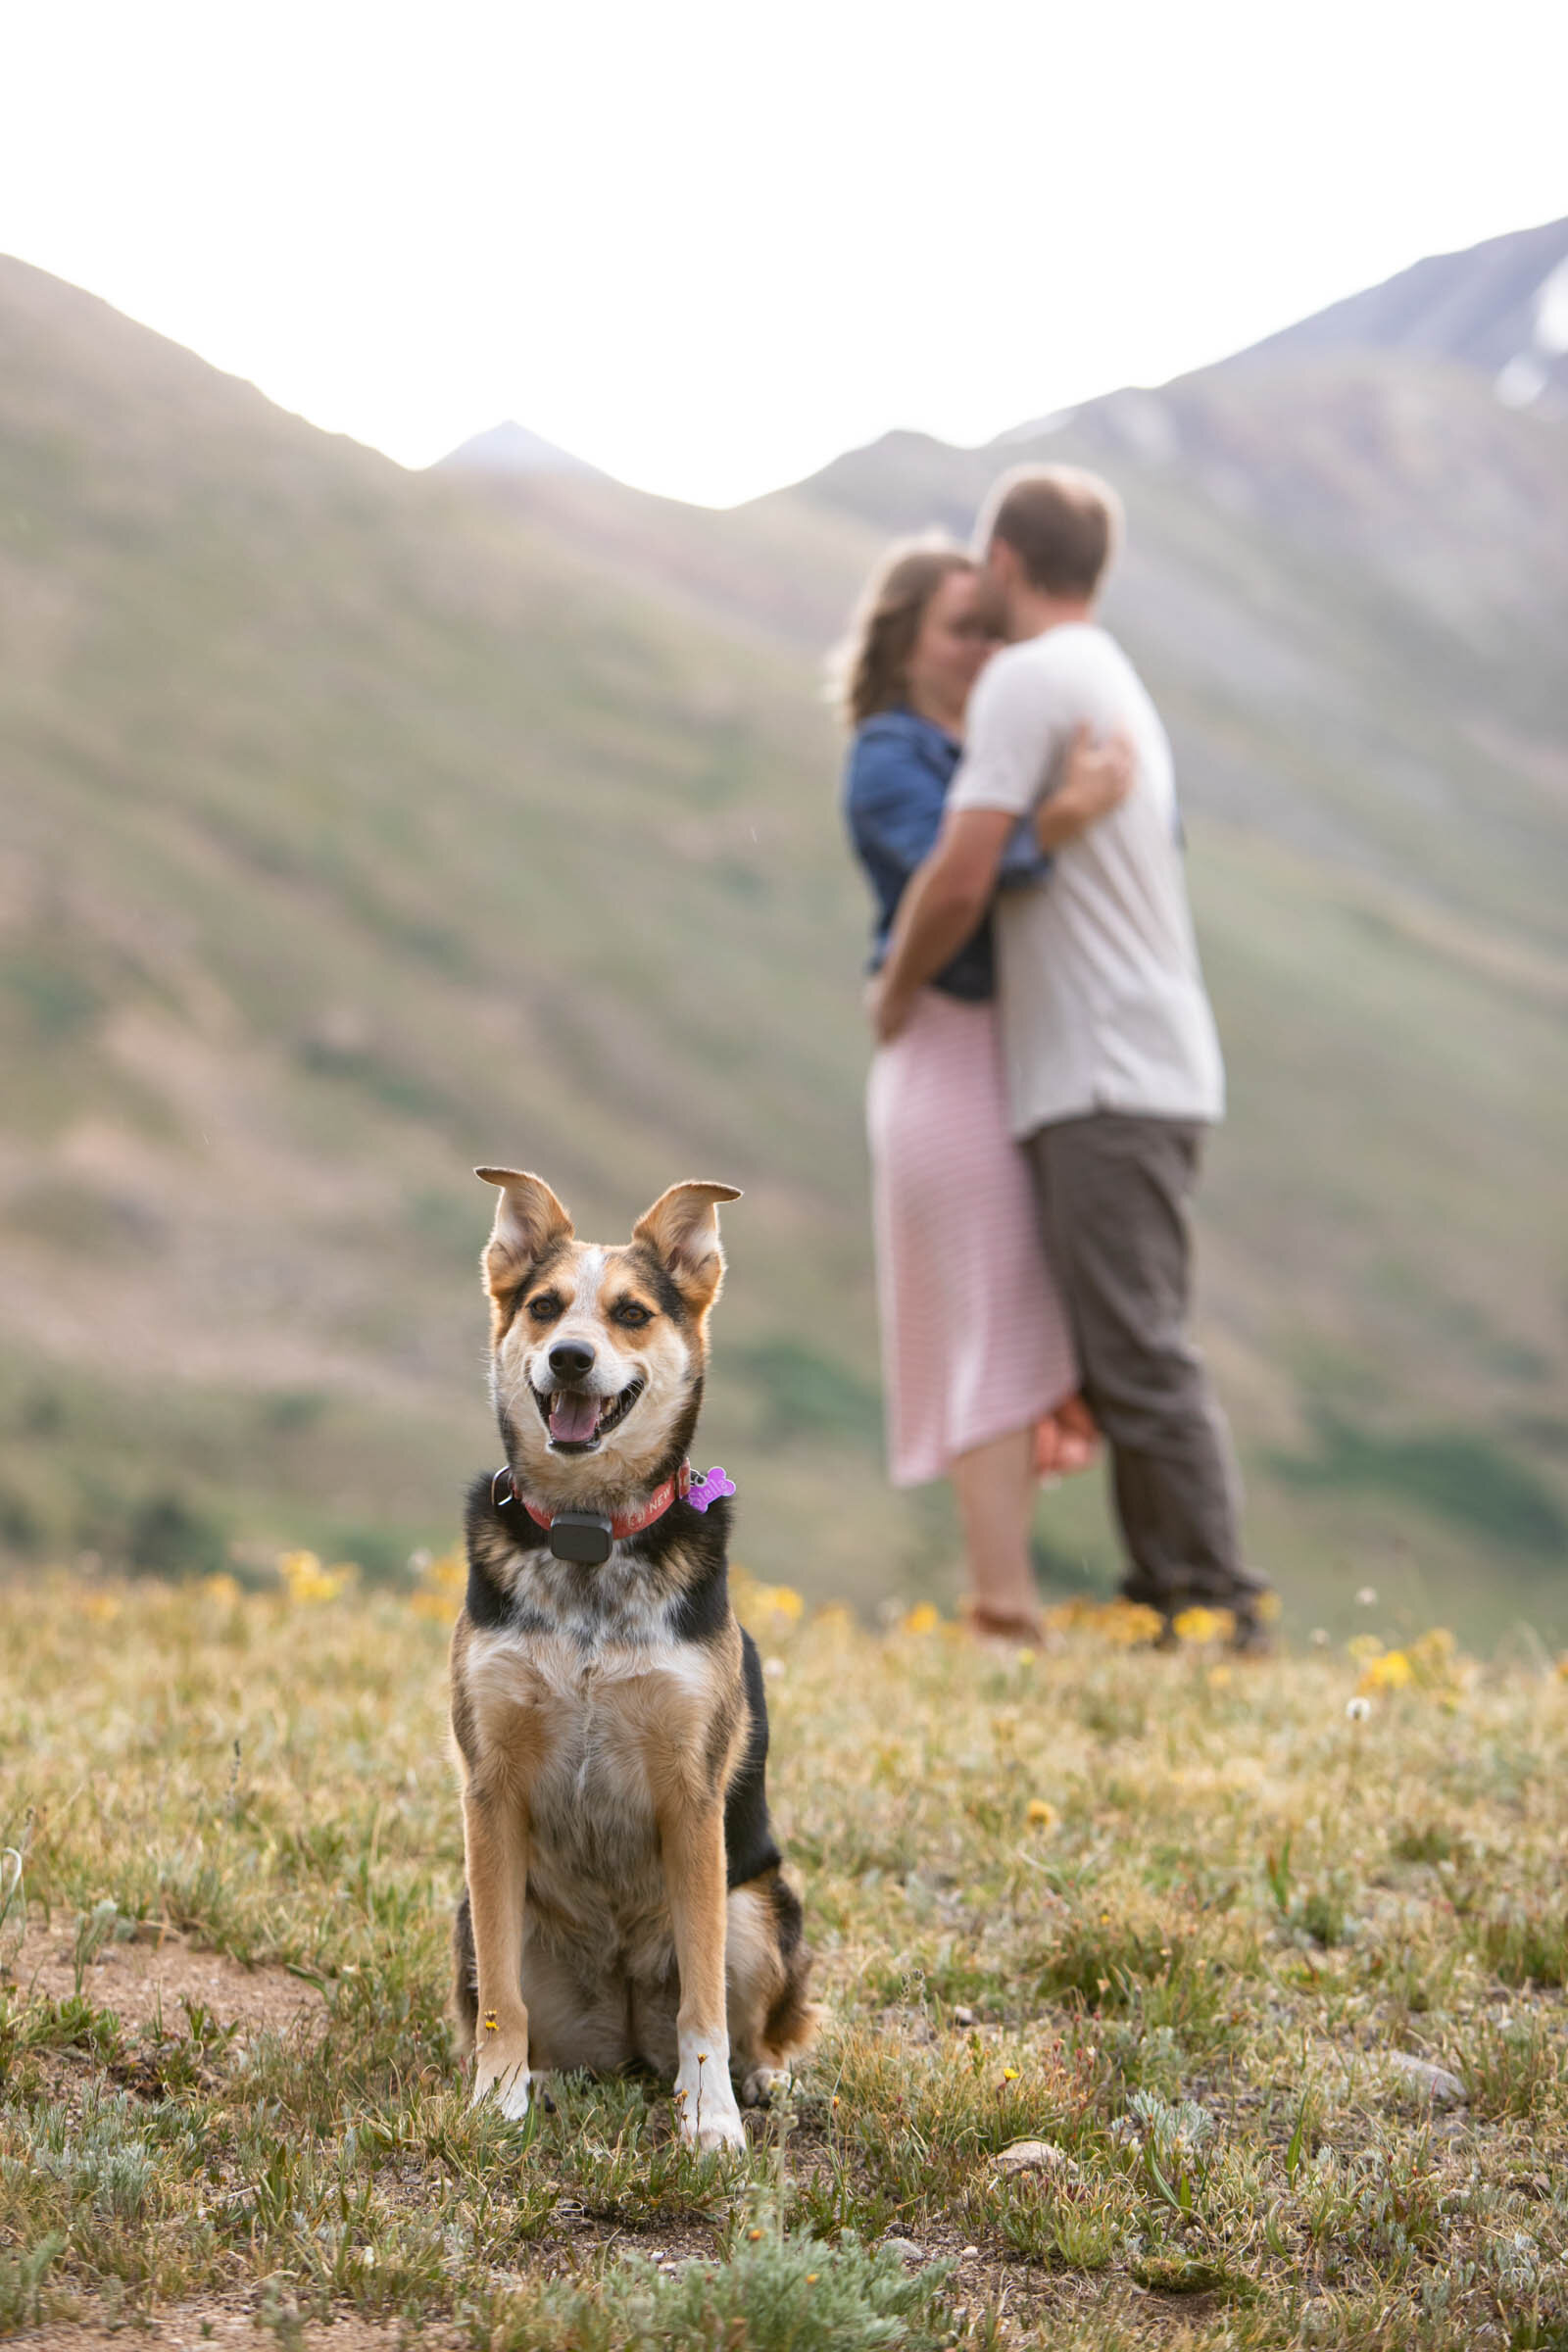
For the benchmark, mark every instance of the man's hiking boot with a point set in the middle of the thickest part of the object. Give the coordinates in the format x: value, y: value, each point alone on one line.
x: 1251, y: 1638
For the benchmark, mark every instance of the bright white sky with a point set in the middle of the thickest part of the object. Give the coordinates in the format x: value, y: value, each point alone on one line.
x: 710, y: 243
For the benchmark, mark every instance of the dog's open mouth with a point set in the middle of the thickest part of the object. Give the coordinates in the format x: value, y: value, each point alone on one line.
x: 578, y: 1422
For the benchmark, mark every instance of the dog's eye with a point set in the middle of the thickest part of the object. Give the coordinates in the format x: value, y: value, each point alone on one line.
x: 545, y: 1308
x: 632, y: 1315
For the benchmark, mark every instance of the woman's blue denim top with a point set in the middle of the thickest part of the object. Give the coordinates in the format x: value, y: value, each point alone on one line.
x: 895, y: 786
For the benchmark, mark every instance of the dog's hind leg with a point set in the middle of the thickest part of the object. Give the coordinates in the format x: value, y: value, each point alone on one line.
x: 768, y: 1968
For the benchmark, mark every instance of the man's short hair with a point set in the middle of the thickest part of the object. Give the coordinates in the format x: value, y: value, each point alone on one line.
x: 1063, y: 524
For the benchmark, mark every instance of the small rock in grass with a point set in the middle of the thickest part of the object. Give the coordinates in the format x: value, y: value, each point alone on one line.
x: 1033, y: 2156
x: 908, y: 2252
x: 963, y: 2016
x: 1433, y: 2082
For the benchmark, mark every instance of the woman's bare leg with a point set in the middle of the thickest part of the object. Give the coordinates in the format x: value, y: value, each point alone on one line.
x: 994, y: 1485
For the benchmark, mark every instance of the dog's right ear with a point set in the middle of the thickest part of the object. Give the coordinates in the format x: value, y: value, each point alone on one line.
x: 529, y: 1221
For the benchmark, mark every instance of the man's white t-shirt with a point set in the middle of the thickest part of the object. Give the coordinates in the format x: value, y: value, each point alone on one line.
x: 1103, y: 1002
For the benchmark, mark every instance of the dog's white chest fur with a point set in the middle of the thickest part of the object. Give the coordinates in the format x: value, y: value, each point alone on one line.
x: 586, y: 1715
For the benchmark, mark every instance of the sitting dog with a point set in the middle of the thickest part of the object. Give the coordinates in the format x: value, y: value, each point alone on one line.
x: 624, y: 1903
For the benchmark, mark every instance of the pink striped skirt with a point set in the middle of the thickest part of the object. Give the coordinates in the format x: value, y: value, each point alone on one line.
x: 974, y: 1339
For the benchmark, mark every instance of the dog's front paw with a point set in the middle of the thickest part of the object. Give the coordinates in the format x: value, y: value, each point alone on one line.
x: 505, y: 2078
x: 711, y: 2133
x: 710, y: 2119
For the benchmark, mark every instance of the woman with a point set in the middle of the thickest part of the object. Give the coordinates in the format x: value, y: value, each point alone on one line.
x: 977, y: 1362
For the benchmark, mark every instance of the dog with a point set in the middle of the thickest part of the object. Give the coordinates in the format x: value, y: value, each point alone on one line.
x: 624, y: 1903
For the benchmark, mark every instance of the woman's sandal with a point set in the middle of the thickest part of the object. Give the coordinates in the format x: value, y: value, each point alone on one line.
x: 1026, y: 1627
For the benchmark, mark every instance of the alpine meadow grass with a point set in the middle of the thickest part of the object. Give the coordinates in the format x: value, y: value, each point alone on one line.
x: 1170, y: 1998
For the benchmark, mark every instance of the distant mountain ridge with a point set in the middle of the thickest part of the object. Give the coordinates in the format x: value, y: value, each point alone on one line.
x: 513, y: 447
x: 1500, y: 306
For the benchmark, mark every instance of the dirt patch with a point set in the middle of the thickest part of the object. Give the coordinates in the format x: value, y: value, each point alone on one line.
x: 155, y: 1975
x: 223, y: 2327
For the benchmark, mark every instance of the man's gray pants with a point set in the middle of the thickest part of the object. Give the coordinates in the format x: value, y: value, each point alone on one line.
x: 1112, y: 1191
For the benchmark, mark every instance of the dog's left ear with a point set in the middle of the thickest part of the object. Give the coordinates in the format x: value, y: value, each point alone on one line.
x: 682, y: 1230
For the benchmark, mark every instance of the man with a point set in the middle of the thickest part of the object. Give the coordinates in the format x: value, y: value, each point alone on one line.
x: 1112, y: 1062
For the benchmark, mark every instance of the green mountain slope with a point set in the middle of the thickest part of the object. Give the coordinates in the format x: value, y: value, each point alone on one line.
x: 351, y: 840
x: 360, y: 826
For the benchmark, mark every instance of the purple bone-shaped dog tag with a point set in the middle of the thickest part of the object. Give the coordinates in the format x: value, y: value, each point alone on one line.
x: 709, y: 1488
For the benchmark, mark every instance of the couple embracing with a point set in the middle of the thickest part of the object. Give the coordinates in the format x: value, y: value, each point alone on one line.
x: 1046, y: 1060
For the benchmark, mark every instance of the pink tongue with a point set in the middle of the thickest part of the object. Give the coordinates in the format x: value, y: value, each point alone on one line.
x: 573, y: 1418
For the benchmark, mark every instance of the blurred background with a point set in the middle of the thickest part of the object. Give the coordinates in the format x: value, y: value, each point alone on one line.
x: 390, y: 785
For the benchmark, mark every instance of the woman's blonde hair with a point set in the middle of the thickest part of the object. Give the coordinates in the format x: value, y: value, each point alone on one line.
x: 869, y: 671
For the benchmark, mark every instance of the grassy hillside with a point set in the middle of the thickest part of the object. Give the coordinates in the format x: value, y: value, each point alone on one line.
x: 354, y: 840
x: 361, y: 826
x: 1274, y: 1989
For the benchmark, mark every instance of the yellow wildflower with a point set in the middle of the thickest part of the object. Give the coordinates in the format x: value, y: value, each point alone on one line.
x: 1434, y: 1658
x: 1042, y: 1813
x: 441, y: 1587
x: 1390, y: 1673
x: 924, y: 1618
x: 1124, y: 1622
x: 306, y: 1580
x: 782, y: 1599
x: 1130, y: 1625
x: 448, y: 1574
x: 221, y: 1589
x: 1199, y: 1626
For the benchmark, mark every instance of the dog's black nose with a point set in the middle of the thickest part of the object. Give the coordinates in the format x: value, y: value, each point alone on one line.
x: 570, y: 1359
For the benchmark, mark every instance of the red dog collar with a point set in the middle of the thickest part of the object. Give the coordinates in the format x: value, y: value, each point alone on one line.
x: 586, y: 1536
x: 624, y: 1523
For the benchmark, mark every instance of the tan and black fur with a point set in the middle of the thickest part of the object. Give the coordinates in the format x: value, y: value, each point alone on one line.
x: 624, y: 1902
